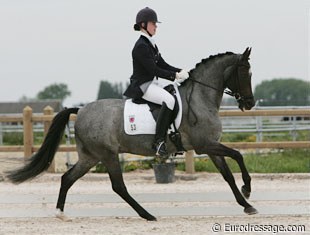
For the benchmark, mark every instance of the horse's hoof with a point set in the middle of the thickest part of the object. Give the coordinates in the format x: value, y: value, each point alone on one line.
x: 151, y: 218
x: 250, y: 211
x: 60, y: 215
x: 245, y: 192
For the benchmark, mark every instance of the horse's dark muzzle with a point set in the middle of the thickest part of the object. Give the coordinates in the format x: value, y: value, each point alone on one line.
x: 246, y: 103
x: 249, y: 103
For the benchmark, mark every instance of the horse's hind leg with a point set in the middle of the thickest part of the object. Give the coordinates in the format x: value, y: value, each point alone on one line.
x: 70, y: 177
x: 222, y: 166
x: 112, y: 164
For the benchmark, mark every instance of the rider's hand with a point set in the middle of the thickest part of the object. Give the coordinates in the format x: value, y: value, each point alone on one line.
x: 181, y: 76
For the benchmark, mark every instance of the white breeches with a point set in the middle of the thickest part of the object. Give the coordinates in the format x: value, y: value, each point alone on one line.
x: 158, y: 95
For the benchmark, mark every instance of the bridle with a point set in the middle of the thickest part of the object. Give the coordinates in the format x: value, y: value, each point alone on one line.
x: 236, y: 94
x: 241, y: 99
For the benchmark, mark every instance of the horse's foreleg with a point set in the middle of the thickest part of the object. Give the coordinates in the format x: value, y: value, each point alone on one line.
x: 113, y: 166
x: 222, y: 166
x: 246, y: 188
x: 221, y: 150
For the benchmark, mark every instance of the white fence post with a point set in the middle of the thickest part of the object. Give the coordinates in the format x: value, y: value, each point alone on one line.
x: 1, y: 134
x: 259, y: 129
x: 294, y: 132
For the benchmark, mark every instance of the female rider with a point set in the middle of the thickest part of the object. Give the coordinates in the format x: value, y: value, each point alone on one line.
x: 148, y: 65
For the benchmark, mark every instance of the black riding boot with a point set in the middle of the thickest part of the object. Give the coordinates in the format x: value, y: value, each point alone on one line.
x: 162, y: 125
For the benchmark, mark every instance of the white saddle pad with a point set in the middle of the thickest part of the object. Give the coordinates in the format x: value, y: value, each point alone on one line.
x: 139, y: 120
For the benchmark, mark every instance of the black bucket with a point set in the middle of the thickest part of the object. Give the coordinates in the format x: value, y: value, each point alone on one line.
x: 164, y: 172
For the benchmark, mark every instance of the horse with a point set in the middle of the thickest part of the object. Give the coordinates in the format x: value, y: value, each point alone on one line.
x: 100, y: 136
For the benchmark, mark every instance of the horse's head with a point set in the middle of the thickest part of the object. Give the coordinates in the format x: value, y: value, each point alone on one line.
x: 239, y: 81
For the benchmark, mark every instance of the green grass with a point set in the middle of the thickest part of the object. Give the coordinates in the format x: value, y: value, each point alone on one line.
x: 13, y: 138
x: 301, y: 135
x: 17, y: 138
x: 288, y: 161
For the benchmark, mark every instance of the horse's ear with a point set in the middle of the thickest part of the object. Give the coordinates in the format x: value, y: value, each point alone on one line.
x: 246, y: 53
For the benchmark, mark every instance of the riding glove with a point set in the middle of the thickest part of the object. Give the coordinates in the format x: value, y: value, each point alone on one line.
x: 181, y: 76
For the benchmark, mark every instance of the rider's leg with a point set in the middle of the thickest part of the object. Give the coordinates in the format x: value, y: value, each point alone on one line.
x: 160, y: 96
x: 162, y: 125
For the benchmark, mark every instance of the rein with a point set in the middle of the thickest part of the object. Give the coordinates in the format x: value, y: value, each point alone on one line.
x: 188, y: 98
x: 228, y: 92
x: 206, y: 85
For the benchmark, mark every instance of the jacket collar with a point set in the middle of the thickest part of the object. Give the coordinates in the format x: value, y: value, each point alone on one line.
x: 150, y: 39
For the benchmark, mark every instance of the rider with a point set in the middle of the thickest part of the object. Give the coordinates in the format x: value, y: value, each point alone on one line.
x: 148, y: 65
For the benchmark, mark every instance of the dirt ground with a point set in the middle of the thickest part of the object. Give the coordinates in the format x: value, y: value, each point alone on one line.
x: 143, y: 182
x: 131, y: 225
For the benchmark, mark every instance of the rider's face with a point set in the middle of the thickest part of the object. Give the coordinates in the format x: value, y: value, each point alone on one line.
x: 151, y: 28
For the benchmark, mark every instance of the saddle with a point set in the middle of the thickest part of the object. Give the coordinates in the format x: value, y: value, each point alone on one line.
x: 140, y: 117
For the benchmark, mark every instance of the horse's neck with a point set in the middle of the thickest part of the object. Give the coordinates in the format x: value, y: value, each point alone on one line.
x: 211, y: 75
x: 202, y: 96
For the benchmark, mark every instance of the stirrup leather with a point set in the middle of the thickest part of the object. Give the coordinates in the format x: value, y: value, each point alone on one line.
x: 161, y: 149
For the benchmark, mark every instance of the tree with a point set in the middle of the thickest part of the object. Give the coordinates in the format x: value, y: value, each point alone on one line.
x: 107, y: 90
x: 283, y: 92
x: 55, y: 91
x: 26, y: 99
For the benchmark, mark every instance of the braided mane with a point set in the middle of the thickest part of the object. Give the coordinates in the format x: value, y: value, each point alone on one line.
x: 212, y: 57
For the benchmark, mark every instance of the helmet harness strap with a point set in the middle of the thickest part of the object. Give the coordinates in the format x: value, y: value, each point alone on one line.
x: 144, y: 26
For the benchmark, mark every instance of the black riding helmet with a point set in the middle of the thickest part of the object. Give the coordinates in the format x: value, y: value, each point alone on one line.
x: 145, y: 15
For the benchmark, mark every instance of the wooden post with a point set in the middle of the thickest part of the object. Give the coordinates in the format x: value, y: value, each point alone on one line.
x: 28, y: 131
x: 48, y: 110
x: 189, y: 162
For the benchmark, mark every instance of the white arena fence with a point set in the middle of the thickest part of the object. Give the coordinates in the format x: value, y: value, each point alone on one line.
x: 261, y: 122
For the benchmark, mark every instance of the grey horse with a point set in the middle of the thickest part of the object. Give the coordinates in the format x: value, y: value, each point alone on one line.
x: 100, y: 136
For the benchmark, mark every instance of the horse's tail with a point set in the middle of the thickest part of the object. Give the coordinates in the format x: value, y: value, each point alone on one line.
x: 40, y: 161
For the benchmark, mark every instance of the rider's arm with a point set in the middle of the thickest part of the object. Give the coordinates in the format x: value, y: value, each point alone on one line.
x: 164, y: 65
